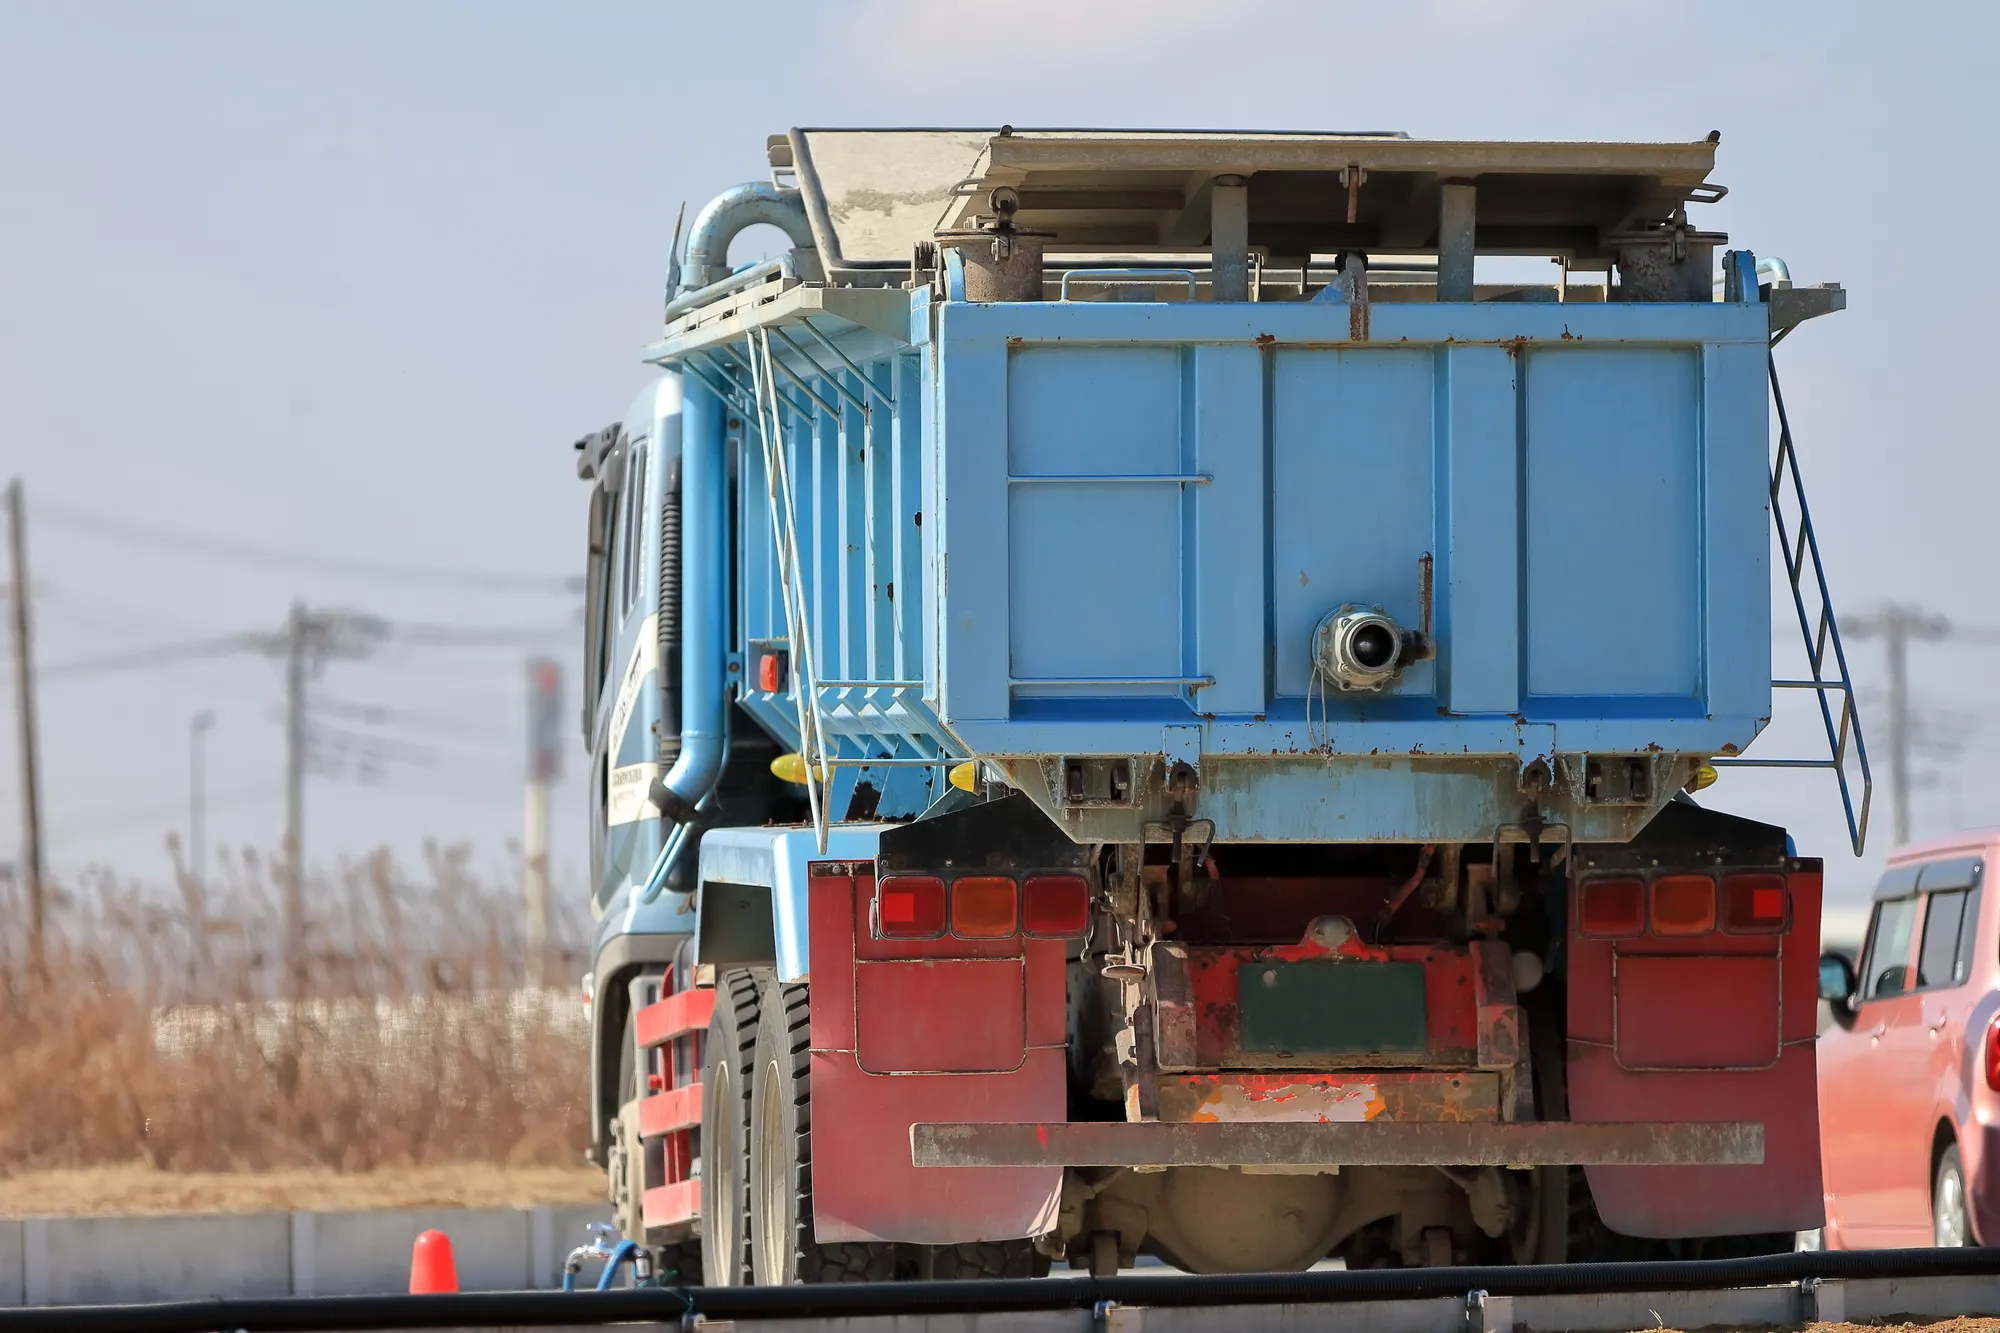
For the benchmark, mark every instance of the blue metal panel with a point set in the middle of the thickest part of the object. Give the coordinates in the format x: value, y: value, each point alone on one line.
x: 1735, y: 432
x: 1613, y: 565
x: 1351, y: 496
x: 1228, y: 589
x: 778, y: 859
x: 1094, y: 575
x: 1554, y: 462
x: 970, y: 507
x: 1478, y: 573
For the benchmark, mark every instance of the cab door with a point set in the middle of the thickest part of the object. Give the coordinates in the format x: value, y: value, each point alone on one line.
x: 1874, y: 1092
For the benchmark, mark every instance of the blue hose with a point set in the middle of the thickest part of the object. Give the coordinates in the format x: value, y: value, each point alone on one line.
x: 625, y: 1249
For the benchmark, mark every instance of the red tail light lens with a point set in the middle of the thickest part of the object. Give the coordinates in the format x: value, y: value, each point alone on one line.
x: 1055, y: 906
x: 1755, y: 904
x: 909, y: 907
x: 1683, y: 905
x: 1611, y: 908
x: 985, y: 907
x: 1993, y: 1054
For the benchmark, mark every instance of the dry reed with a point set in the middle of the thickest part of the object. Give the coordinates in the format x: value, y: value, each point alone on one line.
x: 178, y: 1032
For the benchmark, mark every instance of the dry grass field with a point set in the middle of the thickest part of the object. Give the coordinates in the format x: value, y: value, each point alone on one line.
x: 172, y: 1046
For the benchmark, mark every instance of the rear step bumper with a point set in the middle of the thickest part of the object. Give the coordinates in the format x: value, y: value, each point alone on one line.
x: 1160, y: 1144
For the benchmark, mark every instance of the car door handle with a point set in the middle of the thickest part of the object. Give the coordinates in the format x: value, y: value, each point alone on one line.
x: 1876, y: 1035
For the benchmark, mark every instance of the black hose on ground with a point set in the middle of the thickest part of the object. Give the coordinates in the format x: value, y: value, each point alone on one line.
x: 326, y: 1314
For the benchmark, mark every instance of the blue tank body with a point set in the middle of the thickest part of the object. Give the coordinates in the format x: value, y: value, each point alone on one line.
x: 1035, y: 533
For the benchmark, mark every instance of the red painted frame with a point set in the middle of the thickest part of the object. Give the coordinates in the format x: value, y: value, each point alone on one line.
x: 865, y: 1186
x: 673, y: 1112
x: 1720, y: 989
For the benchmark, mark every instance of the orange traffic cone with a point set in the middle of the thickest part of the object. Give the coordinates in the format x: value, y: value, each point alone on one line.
x: 431, y: 1266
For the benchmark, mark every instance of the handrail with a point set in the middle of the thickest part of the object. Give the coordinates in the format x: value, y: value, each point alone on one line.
x: 1141, y: 274
x: 781, y: 267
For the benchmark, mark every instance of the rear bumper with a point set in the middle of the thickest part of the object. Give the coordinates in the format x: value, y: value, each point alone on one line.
x: 1157, y: 1144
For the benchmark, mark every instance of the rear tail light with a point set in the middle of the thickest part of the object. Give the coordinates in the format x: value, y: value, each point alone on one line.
x: 910, y: 907
x: 985, y: 907
x: 1611, y: 908
x: 1683, y: 905
x: 1992, y: 1053
x: 1055, y: 906
x: 1756, y: 904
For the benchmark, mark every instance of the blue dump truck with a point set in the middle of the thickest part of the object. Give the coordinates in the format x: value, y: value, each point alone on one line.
x: 1143, y: 695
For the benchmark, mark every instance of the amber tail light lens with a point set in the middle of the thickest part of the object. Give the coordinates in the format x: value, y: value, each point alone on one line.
x: 1612, y: 908
x: 1755, y: 904
x: 910, y: 907
x: 1055, y: 906
x: 985, y: 907
x: 1683, y: 905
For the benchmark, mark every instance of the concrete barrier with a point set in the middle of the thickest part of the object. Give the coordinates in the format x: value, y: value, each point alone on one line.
x: 100, y: 1260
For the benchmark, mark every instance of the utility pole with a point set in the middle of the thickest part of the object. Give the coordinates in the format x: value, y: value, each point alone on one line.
x: 309, y: 640
x: 297, y: 634
x: 25, y: 725
x: 1896, y: 624
x: 544, y: 766
x: 198, y: 726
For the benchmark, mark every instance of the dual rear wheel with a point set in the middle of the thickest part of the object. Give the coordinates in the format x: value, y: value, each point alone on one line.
x: 756, y: 1160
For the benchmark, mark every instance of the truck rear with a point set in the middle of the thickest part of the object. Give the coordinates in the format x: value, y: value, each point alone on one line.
x: 1145, y: 702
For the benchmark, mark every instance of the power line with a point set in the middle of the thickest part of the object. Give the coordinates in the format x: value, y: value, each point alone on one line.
x: 1898, y: 625
x: 203, y: 546
x: 254, y: 641
x: 139, y: 659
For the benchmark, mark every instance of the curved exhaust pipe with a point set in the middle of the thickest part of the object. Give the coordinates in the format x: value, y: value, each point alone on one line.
x: 704, y: 626
x: 747, y: 205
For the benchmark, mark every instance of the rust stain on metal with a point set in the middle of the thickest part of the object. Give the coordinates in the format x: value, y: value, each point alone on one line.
x: 1378, y: 1142
x: 1265, y: 339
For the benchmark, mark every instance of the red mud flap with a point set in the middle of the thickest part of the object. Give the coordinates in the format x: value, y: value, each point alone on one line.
x: 1157, y: 1144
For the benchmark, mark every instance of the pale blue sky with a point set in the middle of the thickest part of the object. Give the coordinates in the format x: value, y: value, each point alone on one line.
x: 349, y: 277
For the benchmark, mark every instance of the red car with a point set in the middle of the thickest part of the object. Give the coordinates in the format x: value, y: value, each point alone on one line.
x: 1909, y: 1072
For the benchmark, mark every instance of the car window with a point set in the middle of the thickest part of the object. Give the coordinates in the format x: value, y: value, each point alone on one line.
x: 1968, y: 932
x: 1937, y: 958
x: 1887, y: 971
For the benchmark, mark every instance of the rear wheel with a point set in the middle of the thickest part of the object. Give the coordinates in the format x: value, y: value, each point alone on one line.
x: 1950, y: 1227
x: 725, y: 1130
x: 988, y: 1258
x: 783, y: 1250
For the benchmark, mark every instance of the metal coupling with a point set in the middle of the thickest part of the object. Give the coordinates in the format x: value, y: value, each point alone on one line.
x: 1361, y: 648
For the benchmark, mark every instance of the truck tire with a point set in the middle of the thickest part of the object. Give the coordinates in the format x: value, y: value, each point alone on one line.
x: 730, y: 1054
x: 782, y: 1248
x: 988, y: 1258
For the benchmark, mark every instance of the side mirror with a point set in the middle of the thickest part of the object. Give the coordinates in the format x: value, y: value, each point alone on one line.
x: 1836, y: 979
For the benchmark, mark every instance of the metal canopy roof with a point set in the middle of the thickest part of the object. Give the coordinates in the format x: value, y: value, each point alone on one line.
x: 873, y: 194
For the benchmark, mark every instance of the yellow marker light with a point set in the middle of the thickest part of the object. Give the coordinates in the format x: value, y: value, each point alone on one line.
x: 1703, y: 777
x: 790, y: 768
x: 965, y: 776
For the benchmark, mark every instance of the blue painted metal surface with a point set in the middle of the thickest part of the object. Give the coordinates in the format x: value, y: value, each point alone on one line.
x: 776, y: 859
x: 1038, y: 530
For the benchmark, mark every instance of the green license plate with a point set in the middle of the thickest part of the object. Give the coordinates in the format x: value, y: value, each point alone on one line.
x: 1331, y: 1008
